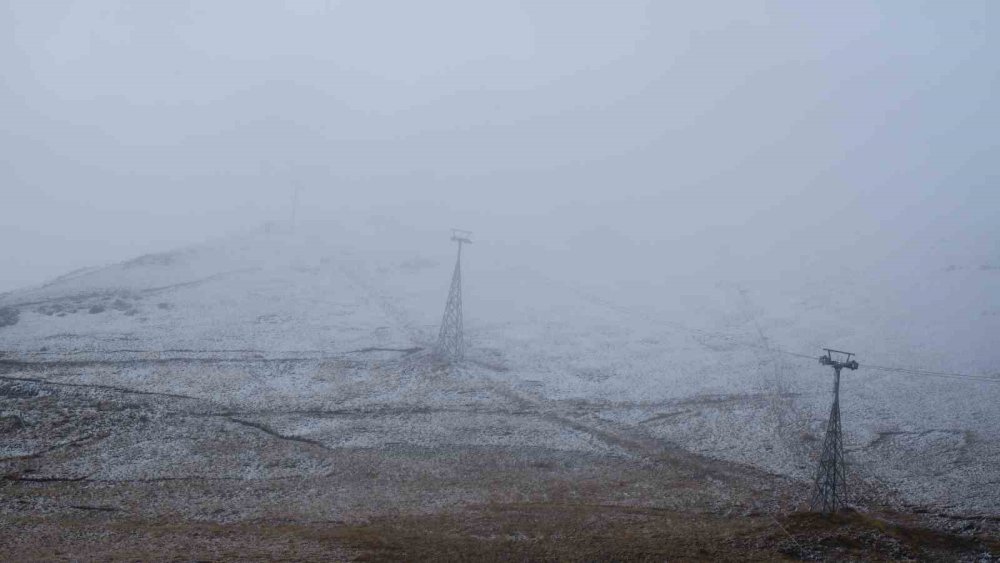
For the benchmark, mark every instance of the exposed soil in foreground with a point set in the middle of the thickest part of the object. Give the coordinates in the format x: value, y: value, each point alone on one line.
x: 571, y: 531
x: 108, y: 473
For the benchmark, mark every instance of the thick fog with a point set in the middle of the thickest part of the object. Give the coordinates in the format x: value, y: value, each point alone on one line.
x: 654, y: 137
x: 235, y: 323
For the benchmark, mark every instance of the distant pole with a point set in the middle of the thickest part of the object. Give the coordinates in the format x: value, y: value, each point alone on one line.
x: 830, y: 484
x: 295, y: 204
x: 451, y: 341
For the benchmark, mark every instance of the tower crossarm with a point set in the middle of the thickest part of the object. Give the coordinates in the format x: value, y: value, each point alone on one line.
x: 838, y: 359
x: 461, y: 237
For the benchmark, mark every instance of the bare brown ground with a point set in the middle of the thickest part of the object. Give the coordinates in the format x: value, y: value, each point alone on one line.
x: 511, y: 532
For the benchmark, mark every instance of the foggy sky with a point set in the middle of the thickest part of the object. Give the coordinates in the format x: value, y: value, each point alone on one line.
x: 699, y: 131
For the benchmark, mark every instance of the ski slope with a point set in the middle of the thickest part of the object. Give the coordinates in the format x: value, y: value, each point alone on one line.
x: 691, y: 361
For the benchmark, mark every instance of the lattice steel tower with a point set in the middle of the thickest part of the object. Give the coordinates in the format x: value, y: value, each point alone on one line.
x: 830, y: 490
x: 451, y: 342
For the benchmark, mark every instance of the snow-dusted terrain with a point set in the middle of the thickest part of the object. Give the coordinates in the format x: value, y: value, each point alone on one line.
x: 323, y: 335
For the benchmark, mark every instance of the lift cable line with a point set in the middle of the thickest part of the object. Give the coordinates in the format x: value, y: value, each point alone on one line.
x: 451, y: 341
x: 295, y: 206
x: 737, y: 341
x: 774, y: 349
x: 830, y: 490
x: 925, y: 373
x: 905, y: 371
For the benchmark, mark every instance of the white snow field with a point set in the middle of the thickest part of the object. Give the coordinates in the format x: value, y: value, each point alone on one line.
x: 278, y: 324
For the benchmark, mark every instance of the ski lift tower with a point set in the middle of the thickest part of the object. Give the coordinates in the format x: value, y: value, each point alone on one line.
x: 295, y: 206
x: 451, y: 343
x: 830, y: 490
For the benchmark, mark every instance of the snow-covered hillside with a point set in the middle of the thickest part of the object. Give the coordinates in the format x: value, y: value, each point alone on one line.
x: 689, y: 360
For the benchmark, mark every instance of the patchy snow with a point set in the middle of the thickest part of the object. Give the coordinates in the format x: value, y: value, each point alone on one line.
x: 279, y: 322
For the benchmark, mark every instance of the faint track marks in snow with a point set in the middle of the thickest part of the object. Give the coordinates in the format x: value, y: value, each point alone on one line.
x: 271, y: 432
